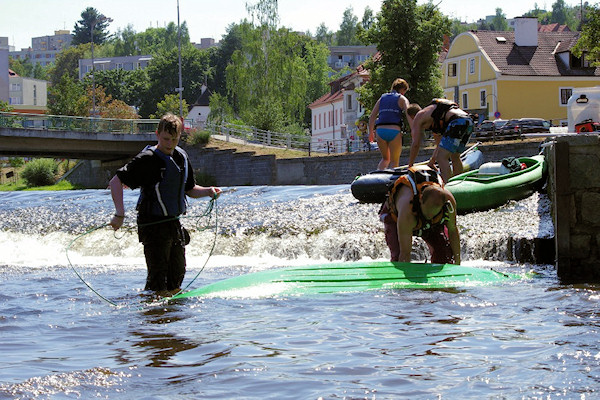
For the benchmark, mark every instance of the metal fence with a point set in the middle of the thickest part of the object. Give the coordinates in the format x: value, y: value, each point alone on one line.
x: 289, y: 141
x: 77, y: 124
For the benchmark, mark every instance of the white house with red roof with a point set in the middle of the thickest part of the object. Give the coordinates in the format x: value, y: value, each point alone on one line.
x: 334, y: 114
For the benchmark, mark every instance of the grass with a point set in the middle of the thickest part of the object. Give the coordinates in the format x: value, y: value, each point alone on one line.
x: 21, y: 186
x: 261, y: 150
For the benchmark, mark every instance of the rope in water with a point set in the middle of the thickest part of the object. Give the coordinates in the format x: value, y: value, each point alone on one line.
x: 208, y: 212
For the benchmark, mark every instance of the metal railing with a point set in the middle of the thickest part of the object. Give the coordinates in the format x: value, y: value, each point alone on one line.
x: 76, y: 124
x: 250, y: 135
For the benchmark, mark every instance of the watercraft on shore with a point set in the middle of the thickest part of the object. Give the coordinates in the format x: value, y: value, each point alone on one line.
x: 480, y: 190
x: 373, y: 187
x: 350, y: 277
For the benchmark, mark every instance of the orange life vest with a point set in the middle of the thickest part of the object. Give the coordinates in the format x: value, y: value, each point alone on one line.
x: 417, y: 178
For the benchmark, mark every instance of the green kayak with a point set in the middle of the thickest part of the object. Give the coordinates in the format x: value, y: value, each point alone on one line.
x: 350, y: 277
x: 475, y: 191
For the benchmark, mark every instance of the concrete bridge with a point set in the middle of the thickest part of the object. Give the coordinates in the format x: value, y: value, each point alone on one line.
x: 26, y: 135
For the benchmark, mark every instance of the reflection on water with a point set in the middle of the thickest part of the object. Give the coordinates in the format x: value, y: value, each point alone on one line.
x: 527, y: 339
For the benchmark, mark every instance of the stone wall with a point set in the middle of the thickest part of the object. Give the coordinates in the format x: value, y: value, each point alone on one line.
x: 234, y: 169
x: 231, y: 168
x: 574, y: 182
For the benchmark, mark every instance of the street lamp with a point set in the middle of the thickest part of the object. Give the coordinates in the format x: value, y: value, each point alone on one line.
x: 100, y: 19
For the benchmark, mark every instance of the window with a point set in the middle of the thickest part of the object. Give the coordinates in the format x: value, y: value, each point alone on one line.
x: 119, y: 66
x: 35, y: 95
x: 565, y: 93
x: 452, y: 69
x: 482, y: 96
x: 471, y: 66
x: 15, y: 87
x: 465, y: 102
x: 349, y: 102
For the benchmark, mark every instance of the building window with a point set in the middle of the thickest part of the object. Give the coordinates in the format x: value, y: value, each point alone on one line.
x: 15, y: 87
x: 452, y: 69
x: 471, y: 66
x: 35, y: 95
x: 119, y: 66
x: 565, y: 93
x: 349, y: 102
x: 465, y: 101
x: 482, y: 102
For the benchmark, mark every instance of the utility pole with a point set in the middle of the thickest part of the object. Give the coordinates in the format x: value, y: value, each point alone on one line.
x: 180, y: 88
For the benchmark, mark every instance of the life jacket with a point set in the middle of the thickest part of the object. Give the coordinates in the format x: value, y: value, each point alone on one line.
x: 439, y: 114
x: 389, y: 111
x: 167, y: 197
x: 417, y: 178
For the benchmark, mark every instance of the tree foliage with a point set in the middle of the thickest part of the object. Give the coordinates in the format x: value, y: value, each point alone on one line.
x: 267, y: 78
x: 409, y: 38
x: 170, y: 104
x: 589, y: 41
x: 90, y: 20
x: 127, y: 86
x: 346, y: 36
x: 499, y: 22
x: 163, y: 76
x: 67, y: 63
x: 67, y: 97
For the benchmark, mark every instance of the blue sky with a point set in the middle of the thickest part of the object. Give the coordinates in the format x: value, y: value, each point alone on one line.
x: 20, y: 20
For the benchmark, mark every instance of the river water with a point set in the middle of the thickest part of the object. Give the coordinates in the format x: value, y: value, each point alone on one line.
x: 531, y: 339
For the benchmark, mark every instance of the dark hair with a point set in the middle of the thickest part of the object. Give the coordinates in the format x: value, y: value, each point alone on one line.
x: 413, y: 109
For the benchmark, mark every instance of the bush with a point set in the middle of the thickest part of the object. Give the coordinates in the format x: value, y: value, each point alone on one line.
x: 40, y: 172
x: 197, y: 136
x: 204, y: 179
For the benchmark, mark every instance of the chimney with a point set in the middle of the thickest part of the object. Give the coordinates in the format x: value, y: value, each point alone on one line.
x: 526, y: 31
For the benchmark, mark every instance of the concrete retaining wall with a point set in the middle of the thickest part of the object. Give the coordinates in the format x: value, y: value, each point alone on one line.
x: 231, y: 168
x: 574, y: 184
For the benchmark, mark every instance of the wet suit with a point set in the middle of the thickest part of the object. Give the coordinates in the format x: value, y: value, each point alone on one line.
x: 163, y: 180
x: 434, y: 232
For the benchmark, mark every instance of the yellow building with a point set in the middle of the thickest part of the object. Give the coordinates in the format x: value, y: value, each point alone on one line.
x: 515, y: 74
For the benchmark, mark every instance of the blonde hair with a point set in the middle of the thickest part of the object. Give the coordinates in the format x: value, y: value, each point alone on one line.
x: 171, y: 124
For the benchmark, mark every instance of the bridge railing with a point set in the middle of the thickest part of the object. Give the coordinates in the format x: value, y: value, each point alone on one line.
x: 77, y: 124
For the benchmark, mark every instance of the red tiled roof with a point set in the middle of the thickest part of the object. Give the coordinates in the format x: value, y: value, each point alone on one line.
x: 12, y: 73
x: 335, y: 94
x: 540, y: 60
x: 555, y: 27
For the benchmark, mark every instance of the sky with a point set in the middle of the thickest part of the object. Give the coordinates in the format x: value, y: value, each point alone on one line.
x: 20, y: 20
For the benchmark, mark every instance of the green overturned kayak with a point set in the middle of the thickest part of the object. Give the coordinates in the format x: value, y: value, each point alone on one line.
x: 350, y: 277
x: 478, y: 191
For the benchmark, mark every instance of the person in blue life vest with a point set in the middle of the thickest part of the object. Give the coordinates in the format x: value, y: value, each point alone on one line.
x: 386, y: 122
x: 452, y: 128
x: 165, y: 177
x: 418, y: 205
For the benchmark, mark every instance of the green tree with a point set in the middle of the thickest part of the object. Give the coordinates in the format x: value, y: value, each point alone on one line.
x: 163, y: 76
x: 221, y: 57
x: 125, y: 42
x: 268, y: 77
x: 409, y: 38
x: 499, y: 22
x: 368, y: 18
x: 26, y: 69
x: 220, y: 110
x: 346, y: 36
x: 319, y: 72
x: 67, y: 97
x: 324, y: 35
x: 559, y: 12
x: 170, y: 104
x: 67, y: 63
x: 91, y: 19
x: 5, y: 107
x: 127, y: 86
x: 589, y: 41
